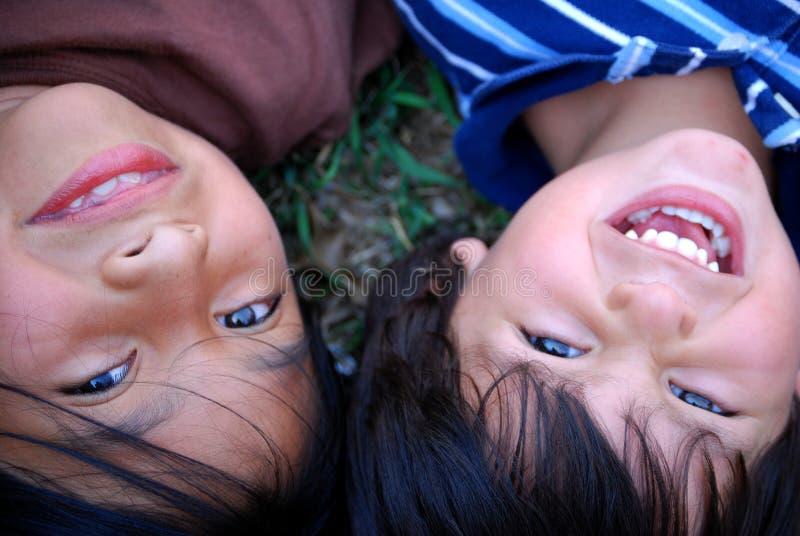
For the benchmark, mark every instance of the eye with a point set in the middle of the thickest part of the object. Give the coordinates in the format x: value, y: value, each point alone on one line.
x: 249, y: 316
x: 698, y: 401
x: 105, y: 381
x: 553, y: 347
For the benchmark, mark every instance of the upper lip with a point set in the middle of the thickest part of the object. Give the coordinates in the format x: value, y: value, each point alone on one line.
x: 696, y: 199
x: 100, y: 168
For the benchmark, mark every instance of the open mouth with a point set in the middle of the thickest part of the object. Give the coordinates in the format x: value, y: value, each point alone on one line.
x: 702, y: 229
x: 107, y: 191
x: 114, y: 179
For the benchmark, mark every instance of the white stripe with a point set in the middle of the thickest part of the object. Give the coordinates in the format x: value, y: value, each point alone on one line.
x: 794, y: 5
x: 790, y: 139
x: 589, y: 22
x: 635, y: 55
x: 697, y: 16
x: 694, y: 63
x: 753, y: 92
x: 464, y: 103
x: 793, y: 68
x: 475, y: 70
x: 787, y: 106
x: 497, y: 33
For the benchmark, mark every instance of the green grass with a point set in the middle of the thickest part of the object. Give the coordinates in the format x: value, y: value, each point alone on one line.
x: 363, y: 201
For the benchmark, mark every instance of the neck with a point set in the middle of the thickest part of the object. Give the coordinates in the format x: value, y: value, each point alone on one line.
x: 604, y: 118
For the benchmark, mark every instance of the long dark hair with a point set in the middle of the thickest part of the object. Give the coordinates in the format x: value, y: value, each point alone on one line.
x: 208, y: 501
x: 428, y: 454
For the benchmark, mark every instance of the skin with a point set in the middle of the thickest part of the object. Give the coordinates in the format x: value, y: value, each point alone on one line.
x: 644, y: 318
x: 74, y: 302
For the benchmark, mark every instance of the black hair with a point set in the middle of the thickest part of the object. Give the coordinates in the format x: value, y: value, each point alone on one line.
x: 206, y: 501
x: 428, y: 454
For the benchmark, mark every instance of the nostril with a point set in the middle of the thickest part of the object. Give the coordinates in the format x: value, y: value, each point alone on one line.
x: 188, y: 227
x: 138, y: 248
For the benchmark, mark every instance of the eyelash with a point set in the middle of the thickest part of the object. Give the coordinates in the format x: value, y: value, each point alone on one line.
x: 553, y: 347
x: 113, y: 377
x: 105, y: 381
x: 257, y: 313
x: 698, y: 401
x: 563, y: 350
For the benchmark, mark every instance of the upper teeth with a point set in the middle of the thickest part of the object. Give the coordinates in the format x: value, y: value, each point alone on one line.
x: 132, y: 177
x: 103, y: 190
x: 720, y: 243
x: 106, y: 188
x: 693, y: 216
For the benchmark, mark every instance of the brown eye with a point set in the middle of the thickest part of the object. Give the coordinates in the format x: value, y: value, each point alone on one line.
x: 553, y: 347
x: 106, y: 381
x: 249, y: 316
x: 698, y: 401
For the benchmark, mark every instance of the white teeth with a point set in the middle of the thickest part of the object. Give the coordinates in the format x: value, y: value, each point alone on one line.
x: 696, y: 216
x: 106, y: 188
x: 133, y: 177
x: 721, y: 246
x: 692, y: 216
x: 78, y: 202
x: 671, y: 242
x: 649, y: 235
x: 687, y: 247
x: 641, y: 216
x: 667, y: 240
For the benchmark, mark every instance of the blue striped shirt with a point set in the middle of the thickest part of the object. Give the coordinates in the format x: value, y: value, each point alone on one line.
x: 502, y: 56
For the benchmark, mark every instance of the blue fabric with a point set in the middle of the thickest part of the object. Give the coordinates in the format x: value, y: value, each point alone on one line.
x: 504, y: 55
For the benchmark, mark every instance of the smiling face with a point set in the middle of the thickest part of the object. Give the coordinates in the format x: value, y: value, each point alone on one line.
x: 134, y: 255
x: 642, y: 322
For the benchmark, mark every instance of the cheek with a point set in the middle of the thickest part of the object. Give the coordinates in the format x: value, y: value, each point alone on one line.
x: 240, y: 216
x: 43, y: 317
x: 763, y: 342
x: 27, y: 302
x: 244, y: 424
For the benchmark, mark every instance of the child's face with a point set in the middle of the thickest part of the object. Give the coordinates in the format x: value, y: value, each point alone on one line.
x: 118, y: 311
x: 644, y: 326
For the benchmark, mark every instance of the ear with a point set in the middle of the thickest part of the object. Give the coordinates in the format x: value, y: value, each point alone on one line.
x: 468, y: 252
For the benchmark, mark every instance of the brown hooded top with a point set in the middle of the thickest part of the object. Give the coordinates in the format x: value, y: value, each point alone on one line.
x: 255, y: 77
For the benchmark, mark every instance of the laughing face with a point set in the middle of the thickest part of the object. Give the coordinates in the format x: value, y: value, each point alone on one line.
x: 658, y: 278
x: 143, y: 285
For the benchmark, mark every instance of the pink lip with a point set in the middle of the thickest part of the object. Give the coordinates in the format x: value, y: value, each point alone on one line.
x: 696, y: 199
x: 102, y: 167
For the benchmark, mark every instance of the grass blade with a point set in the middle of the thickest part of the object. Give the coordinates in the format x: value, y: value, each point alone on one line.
x: 409, y: 165
x: 441, y: 94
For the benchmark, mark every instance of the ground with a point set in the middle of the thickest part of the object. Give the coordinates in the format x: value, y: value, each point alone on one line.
x: 362, y: 202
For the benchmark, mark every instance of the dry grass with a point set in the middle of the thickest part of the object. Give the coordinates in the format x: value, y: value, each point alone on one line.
x: 362, y: 202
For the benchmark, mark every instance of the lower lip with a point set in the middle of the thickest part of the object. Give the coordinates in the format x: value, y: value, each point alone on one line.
x: 694, y: 199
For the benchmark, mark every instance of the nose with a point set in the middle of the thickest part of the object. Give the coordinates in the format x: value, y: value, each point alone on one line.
x: 653, y: 311
x: 168, y: 255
